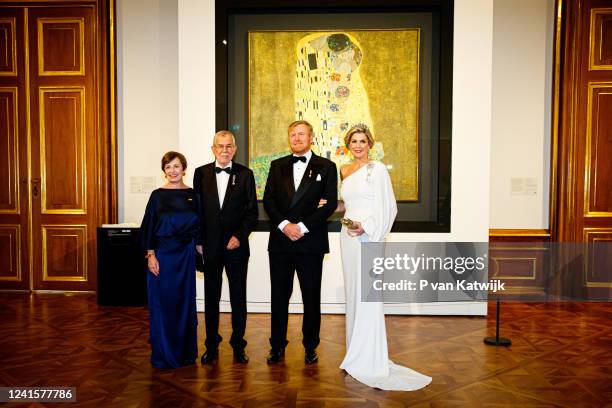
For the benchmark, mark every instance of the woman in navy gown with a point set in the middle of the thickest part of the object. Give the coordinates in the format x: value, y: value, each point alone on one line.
x: 169, y: 233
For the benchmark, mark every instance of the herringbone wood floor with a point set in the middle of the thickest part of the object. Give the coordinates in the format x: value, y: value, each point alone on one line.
x: 561, y: 356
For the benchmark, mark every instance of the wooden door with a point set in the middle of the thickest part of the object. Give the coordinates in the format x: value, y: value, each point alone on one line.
x: 14, y: 179
x: 58, y: 187
x: 585, y: 139
x: 63, y: 126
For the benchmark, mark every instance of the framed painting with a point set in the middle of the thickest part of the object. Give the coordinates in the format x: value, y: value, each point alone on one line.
x: 336, y: 63
x: 336, y: 79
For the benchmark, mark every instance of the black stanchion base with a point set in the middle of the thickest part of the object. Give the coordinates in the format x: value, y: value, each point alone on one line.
x: 494, y: 341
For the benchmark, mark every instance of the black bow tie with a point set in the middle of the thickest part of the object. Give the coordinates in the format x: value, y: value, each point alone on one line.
x: 218, y: 170
x: 295, y: 159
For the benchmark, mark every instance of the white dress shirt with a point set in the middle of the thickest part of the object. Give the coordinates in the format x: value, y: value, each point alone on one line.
x: 299, y: 168
x: 222, y: 180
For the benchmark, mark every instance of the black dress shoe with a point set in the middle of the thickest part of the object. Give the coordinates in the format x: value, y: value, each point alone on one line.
x: 276, y: 355
x: 240, y: 356
x: 210, y: 356
x: 311, y: 356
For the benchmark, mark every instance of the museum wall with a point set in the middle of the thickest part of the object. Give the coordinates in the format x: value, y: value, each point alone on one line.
x: 147, y: 97
x: 523, y: 33
x: 166, y: 101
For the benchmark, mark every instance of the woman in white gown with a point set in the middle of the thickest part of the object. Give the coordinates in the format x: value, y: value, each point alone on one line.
x: 370, y: 203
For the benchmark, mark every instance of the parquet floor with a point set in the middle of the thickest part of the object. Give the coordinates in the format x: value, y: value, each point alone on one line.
x: 561, y: 356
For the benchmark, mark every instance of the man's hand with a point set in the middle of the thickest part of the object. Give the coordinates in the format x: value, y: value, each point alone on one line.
x: 293, y: 231
x: 200, y: 249
x: 233, y: 243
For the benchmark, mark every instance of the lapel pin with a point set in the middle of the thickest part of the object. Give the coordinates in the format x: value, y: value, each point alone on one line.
x: 233, y: 179
x: 310, y: 173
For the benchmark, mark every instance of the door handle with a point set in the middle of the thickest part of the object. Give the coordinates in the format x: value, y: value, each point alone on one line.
x: 35, y: 183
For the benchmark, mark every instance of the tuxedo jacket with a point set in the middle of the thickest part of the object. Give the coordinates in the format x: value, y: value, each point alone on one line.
x: 238, y: 215
x: 283, y: 202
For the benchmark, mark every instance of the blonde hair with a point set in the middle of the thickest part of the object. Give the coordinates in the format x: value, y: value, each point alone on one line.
x: 359, y: 128
x: 300, y: 122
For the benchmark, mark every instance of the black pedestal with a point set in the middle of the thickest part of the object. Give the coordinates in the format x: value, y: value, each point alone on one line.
x: 122, y: 279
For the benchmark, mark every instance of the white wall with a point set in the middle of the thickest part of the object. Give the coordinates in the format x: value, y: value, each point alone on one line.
x: 471, y: 135
x: 523, y: 33
x: 147, y: 95
x: 196, y: 56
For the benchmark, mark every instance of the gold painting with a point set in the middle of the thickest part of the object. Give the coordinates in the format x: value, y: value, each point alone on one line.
x: 335, y: 79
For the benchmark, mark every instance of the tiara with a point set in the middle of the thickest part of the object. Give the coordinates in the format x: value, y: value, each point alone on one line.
x: 361, y: 126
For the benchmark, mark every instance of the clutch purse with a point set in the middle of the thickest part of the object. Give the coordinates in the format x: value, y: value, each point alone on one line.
x: 348, y: 223
x: 199, y: 262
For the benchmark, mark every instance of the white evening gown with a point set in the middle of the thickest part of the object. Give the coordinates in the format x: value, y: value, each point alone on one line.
x: 368, y: 198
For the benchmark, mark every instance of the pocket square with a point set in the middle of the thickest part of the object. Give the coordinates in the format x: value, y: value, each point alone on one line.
x: 318, y: 177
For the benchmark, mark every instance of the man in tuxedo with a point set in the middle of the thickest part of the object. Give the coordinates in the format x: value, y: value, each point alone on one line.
x: 298, y: 236
x: 229, y: 214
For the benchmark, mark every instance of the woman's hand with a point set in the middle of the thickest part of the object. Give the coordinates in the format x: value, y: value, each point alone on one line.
x: 200, y: 249
x: 322, y: 202
x: 153, y: 264
x: 356, y: 230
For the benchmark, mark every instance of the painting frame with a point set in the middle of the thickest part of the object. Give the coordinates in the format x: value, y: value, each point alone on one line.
x: 431, y: 214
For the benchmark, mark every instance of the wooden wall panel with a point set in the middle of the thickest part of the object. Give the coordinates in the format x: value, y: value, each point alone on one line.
x: 519, y: 260
x: 9, y: 155
x: 598, y: 259
x: 8, y: 46
x: 600, y: 57
x: 14, y: 215
x: 510, y: 266
x: 64, y: 252
x: 10, y: 253
x: 62, y: 148
x: 599, y: 150
x: 61, y: 46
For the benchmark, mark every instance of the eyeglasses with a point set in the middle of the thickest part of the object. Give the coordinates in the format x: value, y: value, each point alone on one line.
x: 225, y: 147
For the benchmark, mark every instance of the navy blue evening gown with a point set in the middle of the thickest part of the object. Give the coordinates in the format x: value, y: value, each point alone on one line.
x: 171, y: 228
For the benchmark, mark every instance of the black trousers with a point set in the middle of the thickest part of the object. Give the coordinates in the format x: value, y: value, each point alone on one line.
x: 282, y: 269
x: 236, y: 271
